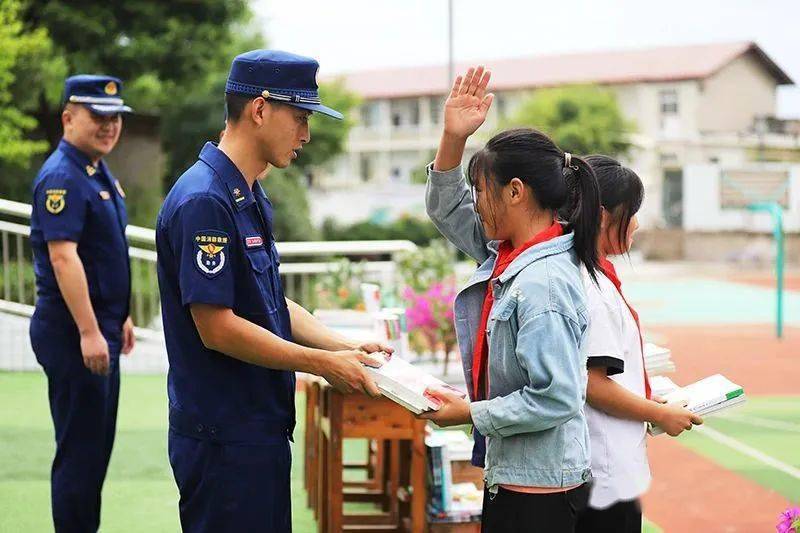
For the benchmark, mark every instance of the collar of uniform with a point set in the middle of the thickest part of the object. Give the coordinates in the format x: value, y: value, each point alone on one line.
x: 259, y: 190
x: 80, y: 158
x: 240, y: 193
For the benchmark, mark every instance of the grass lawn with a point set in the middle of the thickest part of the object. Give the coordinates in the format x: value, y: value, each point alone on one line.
x: 139, y: 494
x: 770, y: 425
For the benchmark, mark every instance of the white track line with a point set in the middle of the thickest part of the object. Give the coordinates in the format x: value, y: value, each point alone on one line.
x: 763, y: 422
x: 743, y: 448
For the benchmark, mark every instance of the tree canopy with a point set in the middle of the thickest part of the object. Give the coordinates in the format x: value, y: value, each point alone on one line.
x: 580, y: 119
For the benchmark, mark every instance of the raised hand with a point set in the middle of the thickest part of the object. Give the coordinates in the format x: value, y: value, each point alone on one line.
x: 468, y: 103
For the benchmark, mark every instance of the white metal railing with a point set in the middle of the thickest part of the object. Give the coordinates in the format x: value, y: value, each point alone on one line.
x: 303, y: 263
x: 299, y: 277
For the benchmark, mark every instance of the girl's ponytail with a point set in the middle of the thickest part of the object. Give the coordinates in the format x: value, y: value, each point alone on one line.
x: 582, y: 211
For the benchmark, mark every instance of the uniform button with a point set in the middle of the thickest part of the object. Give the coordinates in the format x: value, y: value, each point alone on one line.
x: 199, y: 428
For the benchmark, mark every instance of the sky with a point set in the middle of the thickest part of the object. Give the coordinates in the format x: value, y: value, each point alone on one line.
x: 352, y: 35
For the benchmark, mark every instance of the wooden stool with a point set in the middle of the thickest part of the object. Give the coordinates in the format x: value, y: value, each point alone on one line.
x: 356, y: 416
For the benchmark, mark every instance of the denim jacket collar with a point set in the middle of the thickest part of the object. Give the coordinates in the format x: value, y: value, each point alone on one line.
x: 534, y: 253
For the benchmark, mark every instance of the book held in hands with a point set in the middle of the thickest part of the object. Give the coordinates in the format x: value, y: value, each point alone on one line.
x: 705, y: 397
x: 405, y: 384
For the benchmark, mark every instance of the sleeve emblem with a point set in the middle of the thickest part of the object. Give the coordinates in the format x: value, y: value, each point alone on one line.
x: 210, y: 255
x: 56, y: 201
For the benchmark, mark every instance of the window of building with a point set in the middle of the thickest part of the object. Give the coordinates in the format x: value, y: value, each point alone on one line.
x: 365, y: 168
x: 436, y: 106
x: 672, y: 198
x: 405, y: 112
x: 413, y: 115
x: 669, y: 102
x: 370, y: 114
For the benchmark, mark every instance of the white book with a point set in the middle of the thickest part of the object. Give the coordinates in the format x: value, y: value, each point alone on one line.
x: 405, y: 384
x: 662, y: 385
x: 657, y: 359
x: 707, y: 396
x: 705, y: 393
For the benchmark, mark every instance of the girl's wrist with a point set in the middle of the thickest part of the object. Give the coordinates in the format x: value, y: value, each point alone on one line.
x: 454, y: 138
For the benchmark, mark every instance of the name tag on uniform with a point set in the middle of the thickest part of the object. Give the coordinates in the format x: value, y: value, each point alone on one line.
x: 105, y: 195
x: 253, y: 242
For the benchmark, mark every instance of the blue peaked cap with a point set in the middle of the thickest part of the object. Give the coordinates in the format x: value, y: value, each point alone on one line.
x: 279, y: 76
x: 101, y: 94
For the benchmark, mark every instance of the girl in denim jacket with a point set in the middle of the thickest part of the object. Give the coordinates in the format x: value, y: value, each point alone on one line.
x: 521, y: 318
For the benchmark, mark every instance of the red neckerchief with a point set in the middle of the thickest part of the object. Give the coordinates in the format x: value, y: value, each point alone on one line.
x: 505, y: 255
x: 611, y: 273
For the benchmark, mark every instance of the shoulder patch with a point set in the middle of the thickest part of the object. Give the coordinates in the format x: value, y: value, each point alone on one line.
x: 55, y: 201
x: 210, y: 252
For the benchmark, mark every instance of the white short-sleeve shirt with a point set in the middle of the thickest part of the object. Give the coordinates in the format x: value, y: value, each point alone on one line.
x: 619, y: 451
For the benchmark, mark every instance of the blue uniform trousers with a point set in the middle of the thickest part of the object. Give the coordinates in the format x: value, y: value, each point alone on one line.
x: 232, y: 488
x: 84, y: 411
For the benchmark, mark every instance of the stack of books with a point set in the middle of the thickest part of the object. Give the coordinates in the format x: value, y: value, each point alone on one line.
x: 450, y: 502
x: 705, y: 397
x: 405, y: 384
x: 657, y: 360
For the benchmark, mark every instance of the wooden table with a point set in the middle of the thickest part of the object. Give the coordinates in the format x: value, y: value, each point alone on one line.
x: 402, y: 436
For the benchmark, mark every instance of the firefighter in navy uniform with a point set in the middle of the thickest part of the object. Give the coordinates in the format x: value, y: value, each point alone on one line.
x: 233, y: 339
x: 81, y: 322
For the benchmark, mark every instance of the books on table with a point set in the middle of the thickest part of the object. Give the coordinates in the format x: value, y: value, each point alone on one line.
x: 705, y: 397
x: 405, y: 384
x: 657, y: 360
x: 450, y: 502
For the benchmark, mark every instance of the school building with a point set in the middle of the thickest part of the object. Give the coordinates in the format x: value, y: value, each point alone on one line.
x: 702, y: 113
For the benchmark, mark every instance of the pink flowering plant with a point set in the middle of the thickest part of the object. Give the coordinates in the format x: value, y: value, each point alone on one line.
x: 430, y: 290
x: 789, y: 521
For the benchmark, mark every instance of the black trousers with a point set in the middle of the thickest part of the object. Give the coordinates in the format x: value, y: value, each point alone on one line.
x: 518, y: 512
x: 622, y: 517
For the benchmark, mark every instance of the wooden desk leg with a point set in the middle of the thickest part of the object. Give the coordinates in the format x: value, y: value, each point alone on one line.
x: 392, y: 479
x: 376, y: 464
x: 335, y: 488
x: 419, y: 495
x: 312, y: 442
x: 384, y: 473
x: 320, y: 502
x: 309, y: 437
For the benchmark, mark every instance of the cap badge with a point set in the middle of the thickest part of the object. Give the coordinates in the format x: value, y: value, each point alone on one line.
x: 111, y: 88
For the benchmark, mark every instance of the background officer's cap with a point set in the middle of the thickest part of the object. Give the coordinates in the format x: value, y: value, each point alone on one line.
x: 101, y: 94
x: 278, y: 76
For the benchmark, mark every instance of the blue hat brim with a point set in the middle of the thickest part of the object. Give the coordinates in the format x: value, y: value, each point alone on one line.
x: 106, y: 110
x: 318, y: 108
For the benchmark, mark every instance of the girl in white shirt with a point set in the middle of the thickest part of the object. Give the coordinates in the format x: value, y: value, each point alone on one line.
x: 619, y: 402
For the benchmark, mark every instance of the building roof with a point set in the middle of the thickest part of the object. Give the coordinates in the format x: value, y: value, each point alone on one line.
x: 669, y: 63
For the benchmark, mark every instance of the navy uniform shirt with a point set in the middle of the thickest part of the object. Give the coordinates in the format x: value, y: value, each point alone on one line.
x: 76, y: 201
x: 215, y: 246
